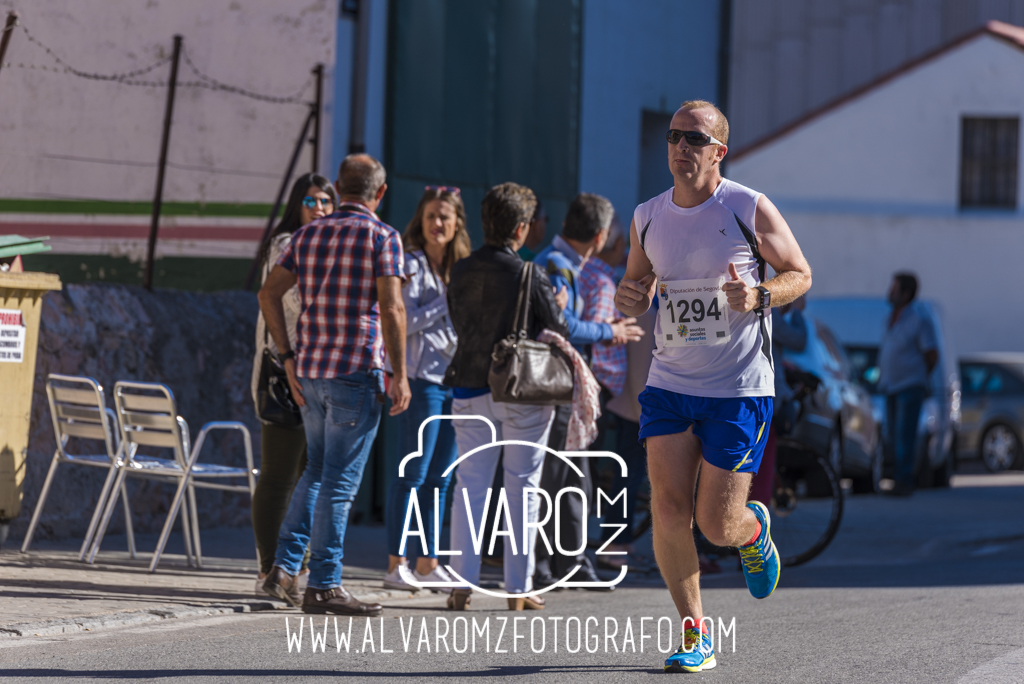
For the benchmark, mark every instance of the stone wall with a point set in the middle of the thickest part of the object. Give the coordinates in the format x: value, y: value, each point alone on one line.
x: 199, y: 344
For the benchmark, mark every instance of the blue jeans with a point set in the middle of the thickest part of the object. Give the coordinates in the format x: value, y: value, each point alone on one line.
x: 341, y: 417
x: 423, y: 473
x: 627, y: 445
x: 903, y: 411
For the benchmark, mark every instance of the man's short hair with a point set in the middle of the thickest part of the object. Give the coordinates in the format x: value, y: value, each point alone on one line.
x: 907, y: 282
x: 504, y: 207
x: 720, y: 130
x: 360, y: 176
x: 588, y: 216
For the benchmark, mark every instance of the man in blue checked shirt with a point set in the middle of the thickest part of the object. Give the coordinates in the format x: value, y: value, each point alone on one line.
x: 344, y: 264
x: 584, y: 233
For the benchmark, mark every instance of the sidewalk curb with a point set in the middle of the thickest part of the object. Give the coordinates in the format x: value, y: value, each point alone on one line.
x: 88, y: 623
x: 131, y: 618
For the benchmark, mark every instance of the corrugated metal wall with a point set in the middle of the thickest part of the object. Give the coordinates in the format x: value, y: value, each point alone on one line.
x: 792, y: 56
x: 481, y: 92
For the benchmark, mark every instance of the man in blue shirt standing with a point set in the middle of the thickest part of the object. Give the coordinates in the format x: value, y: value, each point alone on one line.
x: 906, y: 357
x: 584, y: 233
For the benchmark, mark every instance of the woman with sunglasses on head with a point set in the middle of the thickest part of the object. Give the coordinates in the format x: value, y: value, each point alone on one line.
x: 283, y: 449
x: 434, y: 240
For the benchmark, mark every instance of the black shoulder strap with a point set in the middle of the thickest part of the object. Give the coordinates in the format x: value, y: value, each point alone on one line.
x: 766, y: 340
x: 523, y: 302
x: 643, y: 233
x: 752, y: 242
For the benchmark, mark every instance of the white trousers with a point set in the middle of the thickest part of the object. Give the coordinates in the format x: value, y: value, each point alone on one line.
x: 522, y: 468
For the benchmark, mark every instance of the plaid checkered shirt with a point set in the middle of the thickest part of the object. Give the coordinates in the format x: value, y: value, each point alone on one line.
x: 337, y: 260
x: 597, y: 288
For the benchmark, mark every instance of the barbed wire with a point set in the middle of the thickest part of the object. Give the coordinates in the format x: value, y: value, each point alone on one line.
x: 67, y: 68
x: 217, y: 85
x: 131, y: 77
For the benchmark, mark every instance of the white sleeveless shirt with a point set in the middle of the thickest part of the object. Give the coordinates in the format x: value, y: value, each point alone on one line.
x: 695, y: 244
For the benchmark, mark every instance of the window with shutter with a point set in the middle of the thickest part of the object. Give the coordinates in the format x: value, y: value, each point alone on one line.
x: 988, y: 162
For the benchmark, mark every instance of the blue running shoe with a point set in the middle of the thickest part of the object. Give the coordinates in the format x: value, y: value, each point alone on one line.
x: 695, y: 654
x: 760, y: 560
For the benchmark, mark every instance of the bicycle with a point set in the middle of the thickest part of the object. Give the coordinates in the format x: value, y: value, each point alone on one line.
x: 806, y: 508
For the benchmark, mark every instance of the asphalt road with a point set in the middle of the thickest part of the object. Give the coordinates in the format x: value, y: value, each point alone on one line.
x: 929, y: 589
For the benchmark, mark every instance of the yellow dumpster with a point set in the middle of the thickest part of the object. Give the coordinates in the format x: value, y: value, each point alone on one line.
x: 21, y: 299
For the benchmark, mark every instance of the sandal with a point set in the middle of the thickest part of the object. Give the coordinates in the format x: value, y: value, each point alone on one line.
x: 459, y: 599
x: 526, y: 603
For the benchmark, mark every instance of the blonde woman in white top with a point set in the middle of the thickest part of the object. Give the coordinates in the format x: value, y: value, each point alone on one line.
x: 434, y: 240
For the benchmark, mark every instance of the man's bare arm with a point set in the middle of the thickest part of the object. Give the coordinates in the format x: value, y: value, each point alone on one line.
x: 635, y: 291
x: 277, y: 284
x: 780, y: 250
x: 392, y: 323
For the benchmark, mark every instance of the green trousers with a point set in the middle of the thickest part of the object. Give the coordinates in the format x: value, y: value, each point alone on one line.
x: 281, y: 464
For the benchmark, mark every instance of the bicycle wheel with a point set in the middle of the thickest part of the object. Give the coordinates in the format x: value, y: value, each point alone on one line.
x: 807, y: 507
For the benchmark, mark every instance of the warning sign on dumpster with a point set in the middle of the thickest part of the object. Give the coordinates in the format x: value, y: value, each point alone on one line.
x: 12, y: 336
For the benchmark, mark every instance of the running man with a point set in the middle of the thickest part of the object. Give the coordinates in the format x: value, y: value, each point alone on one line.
x: 700, y: 248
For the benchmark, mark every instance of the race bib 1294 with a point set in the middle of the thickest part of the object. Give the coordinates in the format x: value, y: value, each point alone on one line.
x: 693, y: 313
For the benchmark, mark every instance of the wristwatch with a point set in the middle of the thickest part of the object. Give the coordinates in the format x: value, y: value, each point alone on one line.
x: 290, y: 354
x: 765, y: 301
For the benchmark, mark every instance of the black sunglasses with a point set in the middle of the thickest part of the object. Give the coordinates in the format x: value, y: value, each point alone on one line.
x: 693, y: 138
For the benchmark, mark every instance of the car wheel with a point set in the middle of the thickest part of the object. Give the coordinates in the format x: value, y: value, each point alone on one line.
x: 871, y: 483
x: 835, y: 452
x: 1000, y: 448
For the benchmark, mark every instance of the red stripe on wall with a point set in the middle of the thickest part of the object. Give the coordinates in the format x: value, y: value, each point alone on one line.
x: 99, y: 230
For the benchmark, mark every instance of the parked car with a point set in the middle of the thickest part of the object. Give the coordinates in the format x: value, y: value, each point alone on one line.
x: 993, y: 410
x: 836, y: 417
x: 859, y: 323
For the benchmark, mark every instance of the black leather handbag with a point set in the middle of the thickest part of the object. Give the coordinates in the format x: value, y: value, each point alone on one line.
x: 525, y: 371
x: 274, y: 401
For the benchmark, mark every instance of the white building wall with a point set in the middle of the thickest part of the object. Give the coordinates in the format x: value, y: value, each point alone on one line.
x: 792, y: 56
x: 872, y: 188
x: 968, y: 265
x: 68, y: 137
x: 634, y: 58
x: 896, y: 148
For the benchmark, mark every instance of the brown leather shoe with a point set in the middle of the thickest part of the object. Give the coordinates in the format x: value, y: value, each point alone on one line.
x: 338, y: 602
x: 283, y: 586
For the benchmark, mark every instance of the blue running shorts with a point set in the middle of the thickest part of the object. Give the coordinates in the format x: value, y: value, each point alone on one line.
x: 732, y: 432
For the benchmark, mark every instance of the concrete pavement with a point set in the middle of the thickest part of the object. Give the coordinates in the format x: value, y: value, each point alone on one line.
x: 929, y: 588
x: 48, y: 591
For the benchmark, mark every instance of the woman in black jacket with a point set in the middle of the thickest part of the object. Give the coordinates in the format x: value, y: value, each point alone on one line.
x: 481, y: 301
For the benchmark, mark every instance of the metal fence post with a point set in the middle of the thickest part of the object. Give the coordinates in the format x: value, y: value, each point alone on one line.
x: 280, y: 198
x: 12, y: 19
x: 158, y: 197
x: 318, y: 72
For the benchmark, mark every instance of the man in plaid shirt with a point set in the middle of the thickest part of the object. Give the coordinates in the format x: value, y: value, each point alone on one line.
x: 344, y: 264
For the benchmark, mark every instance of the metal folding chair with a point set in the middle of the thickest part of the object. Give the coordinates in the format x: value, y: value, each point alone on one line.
x: 148, y: 416
x: 78, y: 409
